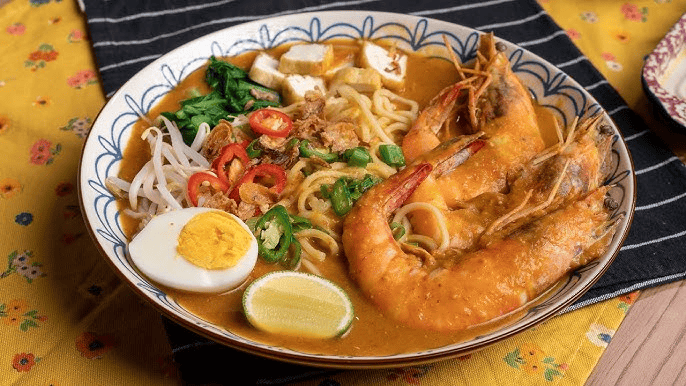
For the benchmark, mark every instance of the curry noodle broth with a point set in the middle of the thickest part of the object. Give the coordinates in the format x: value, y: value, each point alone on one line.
x: 371, y: 333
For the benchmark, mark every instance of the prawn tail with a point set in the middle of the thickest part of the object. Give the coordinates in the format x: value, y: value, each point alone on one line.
x: 440, y: 161
x: 402, y: 185
x: 423, y: 136
x: 457, y: 158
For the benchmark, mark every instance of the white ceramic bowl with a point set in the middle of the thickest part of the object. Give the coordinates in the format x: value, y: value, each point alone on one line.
x: 111, y: 131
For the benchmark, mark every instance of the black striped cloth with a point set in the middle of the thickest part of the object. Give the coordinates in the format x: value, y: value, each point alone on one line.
x: 127, y: 35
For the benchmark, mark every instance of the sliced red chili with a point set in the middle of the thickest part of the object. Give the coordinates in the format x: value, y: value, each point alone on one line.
x: 227, y: 154
x: 271, y: 122
x: 202, y: 179
x: 277, y: 174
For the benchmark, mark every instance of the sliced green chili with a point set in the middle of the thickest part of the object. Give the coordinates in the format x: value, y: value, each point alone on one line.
x: 292, y: 259
x: 252, y: 151
x: 299, y: 223
x: 276, y: 216
x: 392, y: 155
x: 307, y: 151
x: 251, y: 222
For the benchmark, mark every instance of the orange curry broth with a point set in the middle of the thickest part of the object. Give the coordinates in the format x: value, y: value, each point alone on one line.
x: 371, y: 333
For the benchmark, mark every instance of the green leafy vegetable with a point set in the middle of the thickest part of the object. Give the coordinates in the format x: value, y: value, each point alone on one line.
x: 234, y: 85
x: 208, y: 108
x: 233, y: 93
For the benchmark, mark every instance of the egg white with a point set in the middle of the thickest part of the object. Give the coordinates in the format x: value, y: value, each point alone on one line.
x: 153, y: 251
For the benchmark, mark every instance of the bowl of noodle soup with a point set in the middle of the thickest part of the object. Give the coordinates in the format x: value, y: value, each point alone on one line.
x: 106, y: 146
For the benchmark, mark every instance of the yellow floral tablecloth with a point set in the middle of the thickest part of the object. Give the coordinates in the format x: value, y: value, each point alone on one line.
x: 65, y: 317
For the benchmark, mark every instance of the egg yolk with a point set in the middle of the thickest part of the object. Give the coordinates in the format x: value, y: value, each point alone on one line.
x: 213, y: 240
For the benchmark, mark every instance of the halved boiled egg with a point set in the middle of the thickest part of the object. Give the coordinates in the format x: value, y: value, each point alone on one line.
x: 196, y: 250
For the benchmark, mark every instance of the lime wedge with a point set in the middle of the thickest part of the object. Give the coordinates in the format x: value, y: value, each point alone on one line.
x: 298, y: 304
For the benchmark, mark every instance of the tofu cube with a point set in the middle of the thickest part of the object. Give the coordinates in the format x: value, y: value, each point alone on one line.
x: 295, y: 87
x: 265, y: 71
x: 361, y: 79
x: 307, y: 59
x: 390, y: 64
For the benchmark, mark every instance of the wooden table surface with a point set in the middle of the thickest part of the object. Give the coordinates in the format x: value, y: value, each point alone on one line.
x: 649, y: 347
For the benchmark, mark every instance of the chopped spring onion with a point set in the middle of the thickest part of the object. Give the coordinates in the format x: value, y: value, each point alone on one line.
x: 358, y: 187
x: 357, y: 157
x: 398, y: 230
x: 340, y: 198
x: 392, y: 155
x: 346, y: 191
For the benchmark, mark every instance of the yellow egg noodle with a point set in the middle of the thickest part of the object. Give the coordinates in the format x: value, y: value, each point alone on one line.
x: 380, y: 118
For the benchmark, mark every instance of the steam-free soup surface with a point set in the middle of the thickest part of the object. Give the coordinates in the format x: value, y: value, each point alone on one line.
x: 371, y: 333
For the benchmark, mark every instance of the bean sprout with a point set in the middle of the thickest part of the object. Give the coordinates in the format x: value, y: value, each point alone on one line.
x: 161, y: 184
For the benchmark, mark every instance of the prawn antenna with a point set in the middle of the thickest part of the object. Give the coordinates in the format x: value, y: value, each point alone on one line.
x: 519, y: 213
x: 495, y: 225
x: 562, y: 143
x: 453, y: 57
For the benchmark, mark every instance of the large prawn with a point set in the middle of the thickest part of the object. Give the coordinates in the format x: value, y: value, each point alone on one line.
x: 519, y: 216
x: 496, y: 103
x: 453, y: 290
x: 471, y: 196
x: 560, y: 174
